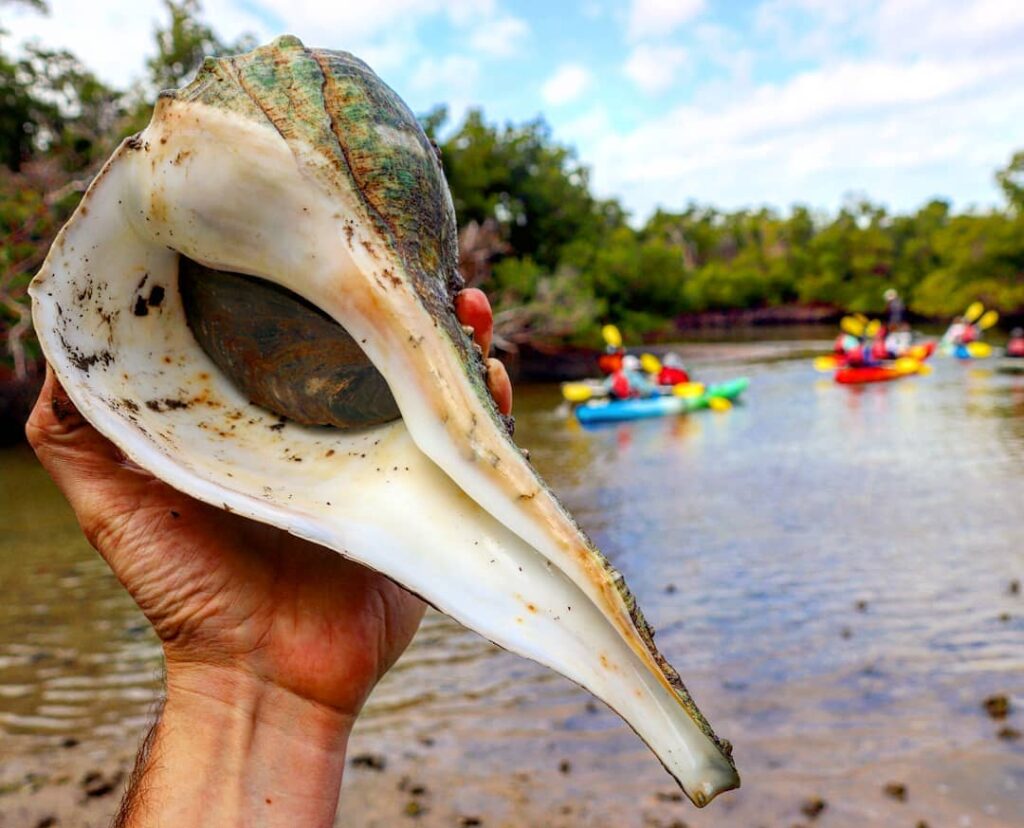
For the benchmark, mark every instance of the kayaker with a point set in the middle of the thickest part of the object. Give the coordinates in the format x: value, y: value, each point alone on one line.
x: 954, y: 334
x: 895, y: 310
x: 861, y: 355
x: 611, y: 360
x: 672, y: 371
x: 878, y: 345
x: 1015, y: 346
x: 898, y: 341
x: 630, y: 381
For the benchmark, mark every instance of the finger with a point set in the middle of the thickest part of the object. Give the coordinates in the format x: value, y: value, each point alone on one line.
x: 473, y: 309
x: 499, y: 385
x: 85, y: 465
x: 67, y: 446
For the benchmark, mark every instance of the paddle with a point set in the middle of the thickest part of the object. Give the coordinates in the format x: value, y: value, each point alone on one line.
x: 852, y: 326
x: 826, y: 363
x: 719, y: 404
x: 872, y: 328
x: 907, y: 365
x: 577, y: 392
x: 979, y: 350
x: 688, y: 390
x: 650, y: 363
x: 612, y: 337
x: 989, y: 319
x: 974, y: 310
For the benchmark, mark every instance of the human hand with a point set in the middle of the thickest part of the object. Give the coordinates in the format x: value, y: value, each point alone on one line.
x: 263, y: 633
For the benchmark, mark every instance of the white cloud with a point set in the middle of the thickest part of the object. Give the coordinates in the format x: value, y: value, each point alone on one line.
x: 114, y: 37
x: 501, y: 37
x: 658, y: 18
x: 566, y: 85
x: 933, y: 123
x: 948, y: 26
x: 653, y: 67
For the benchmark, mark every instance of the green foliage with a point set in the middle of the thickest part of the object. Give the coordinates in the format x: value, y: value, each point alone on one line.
x: 58, y: 123
x: 535, y: 188
x: 1011, y: 180
x: 703, y: 259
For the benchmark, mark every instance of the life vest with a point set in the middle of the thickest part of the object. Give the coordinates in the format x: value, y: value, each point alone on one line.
x: 672, y: 376
x: 620, y: 386
x: 610, y: 363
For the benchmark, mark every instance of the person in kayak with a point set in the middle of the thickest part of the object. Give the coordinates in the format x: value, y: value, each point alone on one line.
x: 954, y: 334
x: 672, y: 371
x: 861, y: 355
x: 898, y: 341
x: 611, y: 360
x: 895, y: 310
x: 630, y: 381
x: 879, y: 351
x: 1015, y: 346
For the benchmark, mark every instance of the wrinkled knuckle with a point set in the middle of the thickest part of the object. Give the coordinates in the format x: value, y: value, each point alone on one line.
x: 52, y: 420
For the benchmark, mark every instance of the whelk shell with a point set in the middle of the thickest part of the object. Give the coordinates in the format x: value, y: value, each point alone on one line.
x: 301, y: 168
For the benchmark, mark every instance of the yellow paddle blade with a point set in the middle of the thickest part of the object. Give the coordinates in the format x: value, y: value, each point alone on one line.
x: 852, y: 326
x: 974, y: 310
x: 917, y: 351
x: 860, y: 317
x: 908, y: 365
x: 719, y: 404
x: 689, y: 390
x: 988, y: 319
x: 979, y: 350
x: 825, y: 363
x: 576, y: 391
x: 925, y: 369
x: 612, y: 337
x: 650, y: 363
x: 872, y: 329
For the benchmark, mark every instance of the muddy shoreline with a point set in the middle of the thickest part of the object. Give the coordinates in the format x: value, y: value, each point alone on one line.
x: 425, y: 782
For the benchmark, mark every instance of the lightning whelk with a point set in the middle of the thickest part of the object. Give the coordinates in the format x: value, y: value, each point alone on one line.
x: 254, y: 301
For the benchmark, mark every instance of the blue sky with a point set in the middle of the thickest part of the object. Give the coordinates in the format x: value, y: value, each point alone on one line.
x: 730, y: 103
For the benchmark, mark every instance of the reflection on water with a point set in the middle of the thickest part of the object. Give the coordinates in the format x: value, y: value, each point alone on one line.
x: 827, y: 566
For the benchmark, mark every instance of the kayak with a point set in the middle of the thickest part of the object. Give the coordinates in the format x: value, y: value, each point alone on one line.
x: 869, y: 373
x: 921, y: 351
x: 878, y: 373
x: 613, y: 411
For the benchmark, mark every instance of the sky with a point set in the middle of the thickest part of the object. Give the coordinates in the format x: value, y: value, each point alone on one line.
x: 722, y: 102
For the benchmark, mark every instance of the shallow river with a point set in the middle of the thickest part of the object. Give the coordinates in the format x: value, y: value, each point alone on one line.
x: 829, y: 568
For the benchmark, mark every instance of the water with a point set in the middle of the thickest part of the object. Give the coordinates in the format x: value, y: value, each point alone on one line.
x: 828, y: 567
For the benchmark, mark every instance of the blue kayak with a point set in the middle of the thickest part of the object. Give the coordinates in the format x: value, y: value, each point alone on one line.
x: 613, y: 411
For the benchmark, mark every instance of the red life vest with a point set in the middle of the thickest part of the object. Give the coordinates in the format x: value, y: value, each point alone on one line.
x: 620, y: 386
x: 672, y: 376
x: 610, y: 363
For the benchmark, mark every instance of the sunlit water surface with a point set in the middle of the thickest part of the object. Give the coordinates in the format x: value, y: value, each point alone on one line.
x: 828, y: 567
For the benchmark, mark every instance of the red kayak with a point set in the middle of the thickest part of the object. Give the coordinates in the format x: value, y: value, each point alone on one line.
x: 868, y: 373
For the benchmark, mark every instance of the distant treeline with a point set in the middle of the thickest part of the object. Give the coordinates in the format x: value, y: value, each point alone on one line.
x: 564, y: 261
x: 556, y: 261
